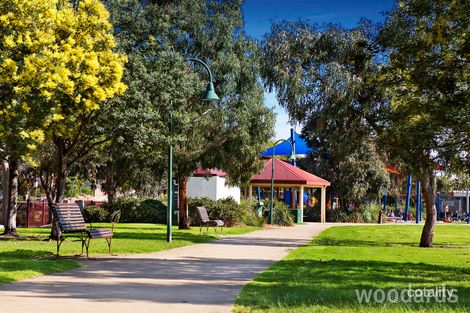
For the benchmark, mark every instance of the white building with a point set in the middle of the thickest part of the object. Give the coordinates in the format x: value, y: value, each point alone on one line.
x: 211, y: 184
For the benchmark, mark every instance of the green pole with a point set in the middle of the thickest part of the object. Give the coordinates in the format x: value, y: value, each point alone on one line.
x: 292, y: 156
x: 170, y: 182
x: 209, y: 95
x: 272, y: 190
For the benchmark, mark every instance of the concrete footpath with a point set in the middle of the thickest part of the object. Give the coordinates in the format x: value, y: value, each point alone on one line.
x: 197, y: 278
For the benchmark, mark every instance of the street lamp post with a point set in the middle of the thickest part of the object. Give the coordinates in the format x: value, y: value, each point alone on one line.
x: 291, y: 157
x: 209, y: 95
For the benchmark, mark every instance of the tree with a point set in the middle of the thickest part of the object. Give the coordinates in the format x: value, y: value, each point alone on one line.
x: 427, y: 83
x: 160, y: 36
x: 89, y: 76
x: 27, y: 65
x: 324, y: 77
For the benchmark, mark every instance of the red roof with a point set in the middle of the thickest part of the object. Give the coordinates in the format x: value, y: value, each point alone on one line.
x: 285, y: 173
x: 209, y: 172
x: 392, y: 169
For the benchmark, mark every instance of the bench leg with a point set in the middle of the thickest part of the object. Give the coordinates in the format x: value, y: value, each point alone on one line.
x: 60, y: 239
x: 110, y: 241
x: 87, y: 246
x: 82, y: 238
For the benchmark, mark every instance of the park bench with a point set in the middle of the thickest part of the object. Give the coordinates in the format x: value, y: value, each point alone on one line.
x: 68, y: 220
x: 204, y: 220
x: 395, y: 219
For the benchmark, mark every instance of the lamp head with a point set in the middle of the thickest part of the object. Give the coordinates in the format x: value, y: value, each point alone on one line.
x: 210, y: 94
x: 292, y: 156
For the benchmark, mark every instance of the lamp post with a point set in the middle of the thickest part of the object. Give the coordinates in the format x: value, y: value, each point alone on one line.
x: 209, y: 95
x: 291, y: 157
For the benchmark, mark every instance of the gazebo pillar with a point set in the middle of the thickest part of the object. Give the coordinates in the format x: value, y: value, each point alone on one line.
x: 323, y: 205
x: 301, y: 200
x: 250, y: 192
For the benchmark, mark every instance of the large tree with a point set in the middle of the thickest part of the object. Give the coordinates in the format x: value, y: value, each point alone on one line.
x: 29, y: 61
x: 159, y: 37
x: 89, y: 76
x: 427, y: 82
x: 324, y: 77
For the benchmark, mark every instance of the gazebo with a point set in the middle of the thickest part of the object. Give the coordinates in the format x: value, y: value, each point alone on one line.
x: 287, y: 176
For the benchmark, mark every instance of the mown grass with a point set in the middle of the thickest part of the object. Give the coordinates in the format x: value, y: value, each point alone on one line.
x: 33, y: 255
x: 323, y: 276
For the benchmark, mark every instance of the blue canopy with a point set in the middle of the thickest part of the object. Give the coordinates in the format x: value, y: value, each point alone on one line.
x: 283, y: 148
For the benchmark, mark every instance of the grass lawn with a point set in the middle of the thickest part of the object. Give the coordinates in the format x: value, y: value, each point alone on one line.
x: 21, y: 259
x: 323, y: 276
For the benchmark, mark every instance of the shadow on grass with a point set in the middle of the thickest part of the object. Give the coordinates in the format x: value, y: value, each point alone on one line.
x: 301, y: 283
x: 29, y: 263
x: 177, y: 235
x: 375, y: 243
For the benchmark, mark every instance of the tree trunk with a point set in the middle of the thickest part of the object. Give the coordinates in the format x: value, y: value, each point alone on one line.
x: 12, y: 209
x: 183, y: 202
x: 5, y: 189
x: 61, y: 178
x: 111, y: 196
x: 428, y: 183
x: 110, y: 186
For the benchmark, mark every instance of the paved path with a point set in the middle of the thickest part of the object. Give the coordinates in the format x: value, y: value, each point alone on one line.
x: 197, y: 278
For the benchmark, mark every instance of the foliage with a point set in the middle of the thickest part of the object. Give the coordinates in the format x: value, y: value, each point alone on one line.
x: 227, y: 210
x: 159, y: 37
x: 249, y: 213
x: 365, y: 213
x: 343, y: 259
x: 426, y: 80
x: 282, y: 214
x: 324, y: 77
x: 87, y: 73
x: 139, y: 211
x: 95, y: 214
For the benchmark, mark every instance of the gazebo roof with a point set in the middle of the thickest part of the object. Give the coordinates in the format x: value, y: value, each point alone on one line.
x: 208, y: 172
x: 287, y: 174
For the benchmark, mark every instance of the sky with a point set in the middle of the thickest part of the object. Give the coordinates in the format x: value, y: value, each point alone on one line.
x: 260, y: 13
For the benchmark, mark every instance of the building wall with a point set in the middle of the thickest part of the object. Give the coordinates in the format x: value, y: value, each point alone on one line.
x: 212, y: 187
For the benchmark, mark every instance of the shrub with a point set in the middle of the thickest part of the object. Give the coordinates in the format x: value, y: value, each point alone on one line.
x: 249, y: 214
x: 205, y: 202
x: 227, y: 210
x: 138, y: 211
x: 282, y: 214
x: 95, y: 214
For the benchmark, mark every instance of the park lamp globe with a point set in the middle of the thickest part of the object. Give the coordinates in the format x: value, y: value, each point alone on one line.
x: 292, y: 156
x: 210, y: 94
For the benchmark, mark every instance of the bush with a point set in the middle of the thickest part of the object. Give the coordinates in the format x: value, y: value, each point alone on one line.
x: 367, y: 213
x: 205, y: 202
x: 249, y: 214
x: 138, y: 211
x: 282, y: 214
x: 227, y: 210
x: 95, y: 214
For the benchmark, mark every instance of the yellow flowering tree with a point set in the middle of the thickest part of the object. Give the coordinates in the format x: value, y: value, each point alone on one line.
x: 57, y: 71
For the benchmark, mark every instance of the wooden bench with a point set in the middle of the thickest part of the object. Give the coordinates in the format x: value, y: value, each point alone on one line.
x: 395, y: 219
x: 204, y: 220
x: 68, y: 220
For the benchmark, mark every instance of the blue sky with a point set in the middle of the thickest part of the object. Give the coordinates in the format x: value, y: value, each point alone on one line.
x: 260, y: 13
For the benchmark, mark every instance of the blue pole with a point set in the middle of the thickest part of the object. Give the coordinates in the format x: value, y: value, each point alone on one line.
x: 396, y: 205
x: 408, y: 194
x: 258, y: 192
x: 418, y: 202
x: 468, y: 206
x: 438, y: 202
x: 292, y: 141
x: 385, y: 200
